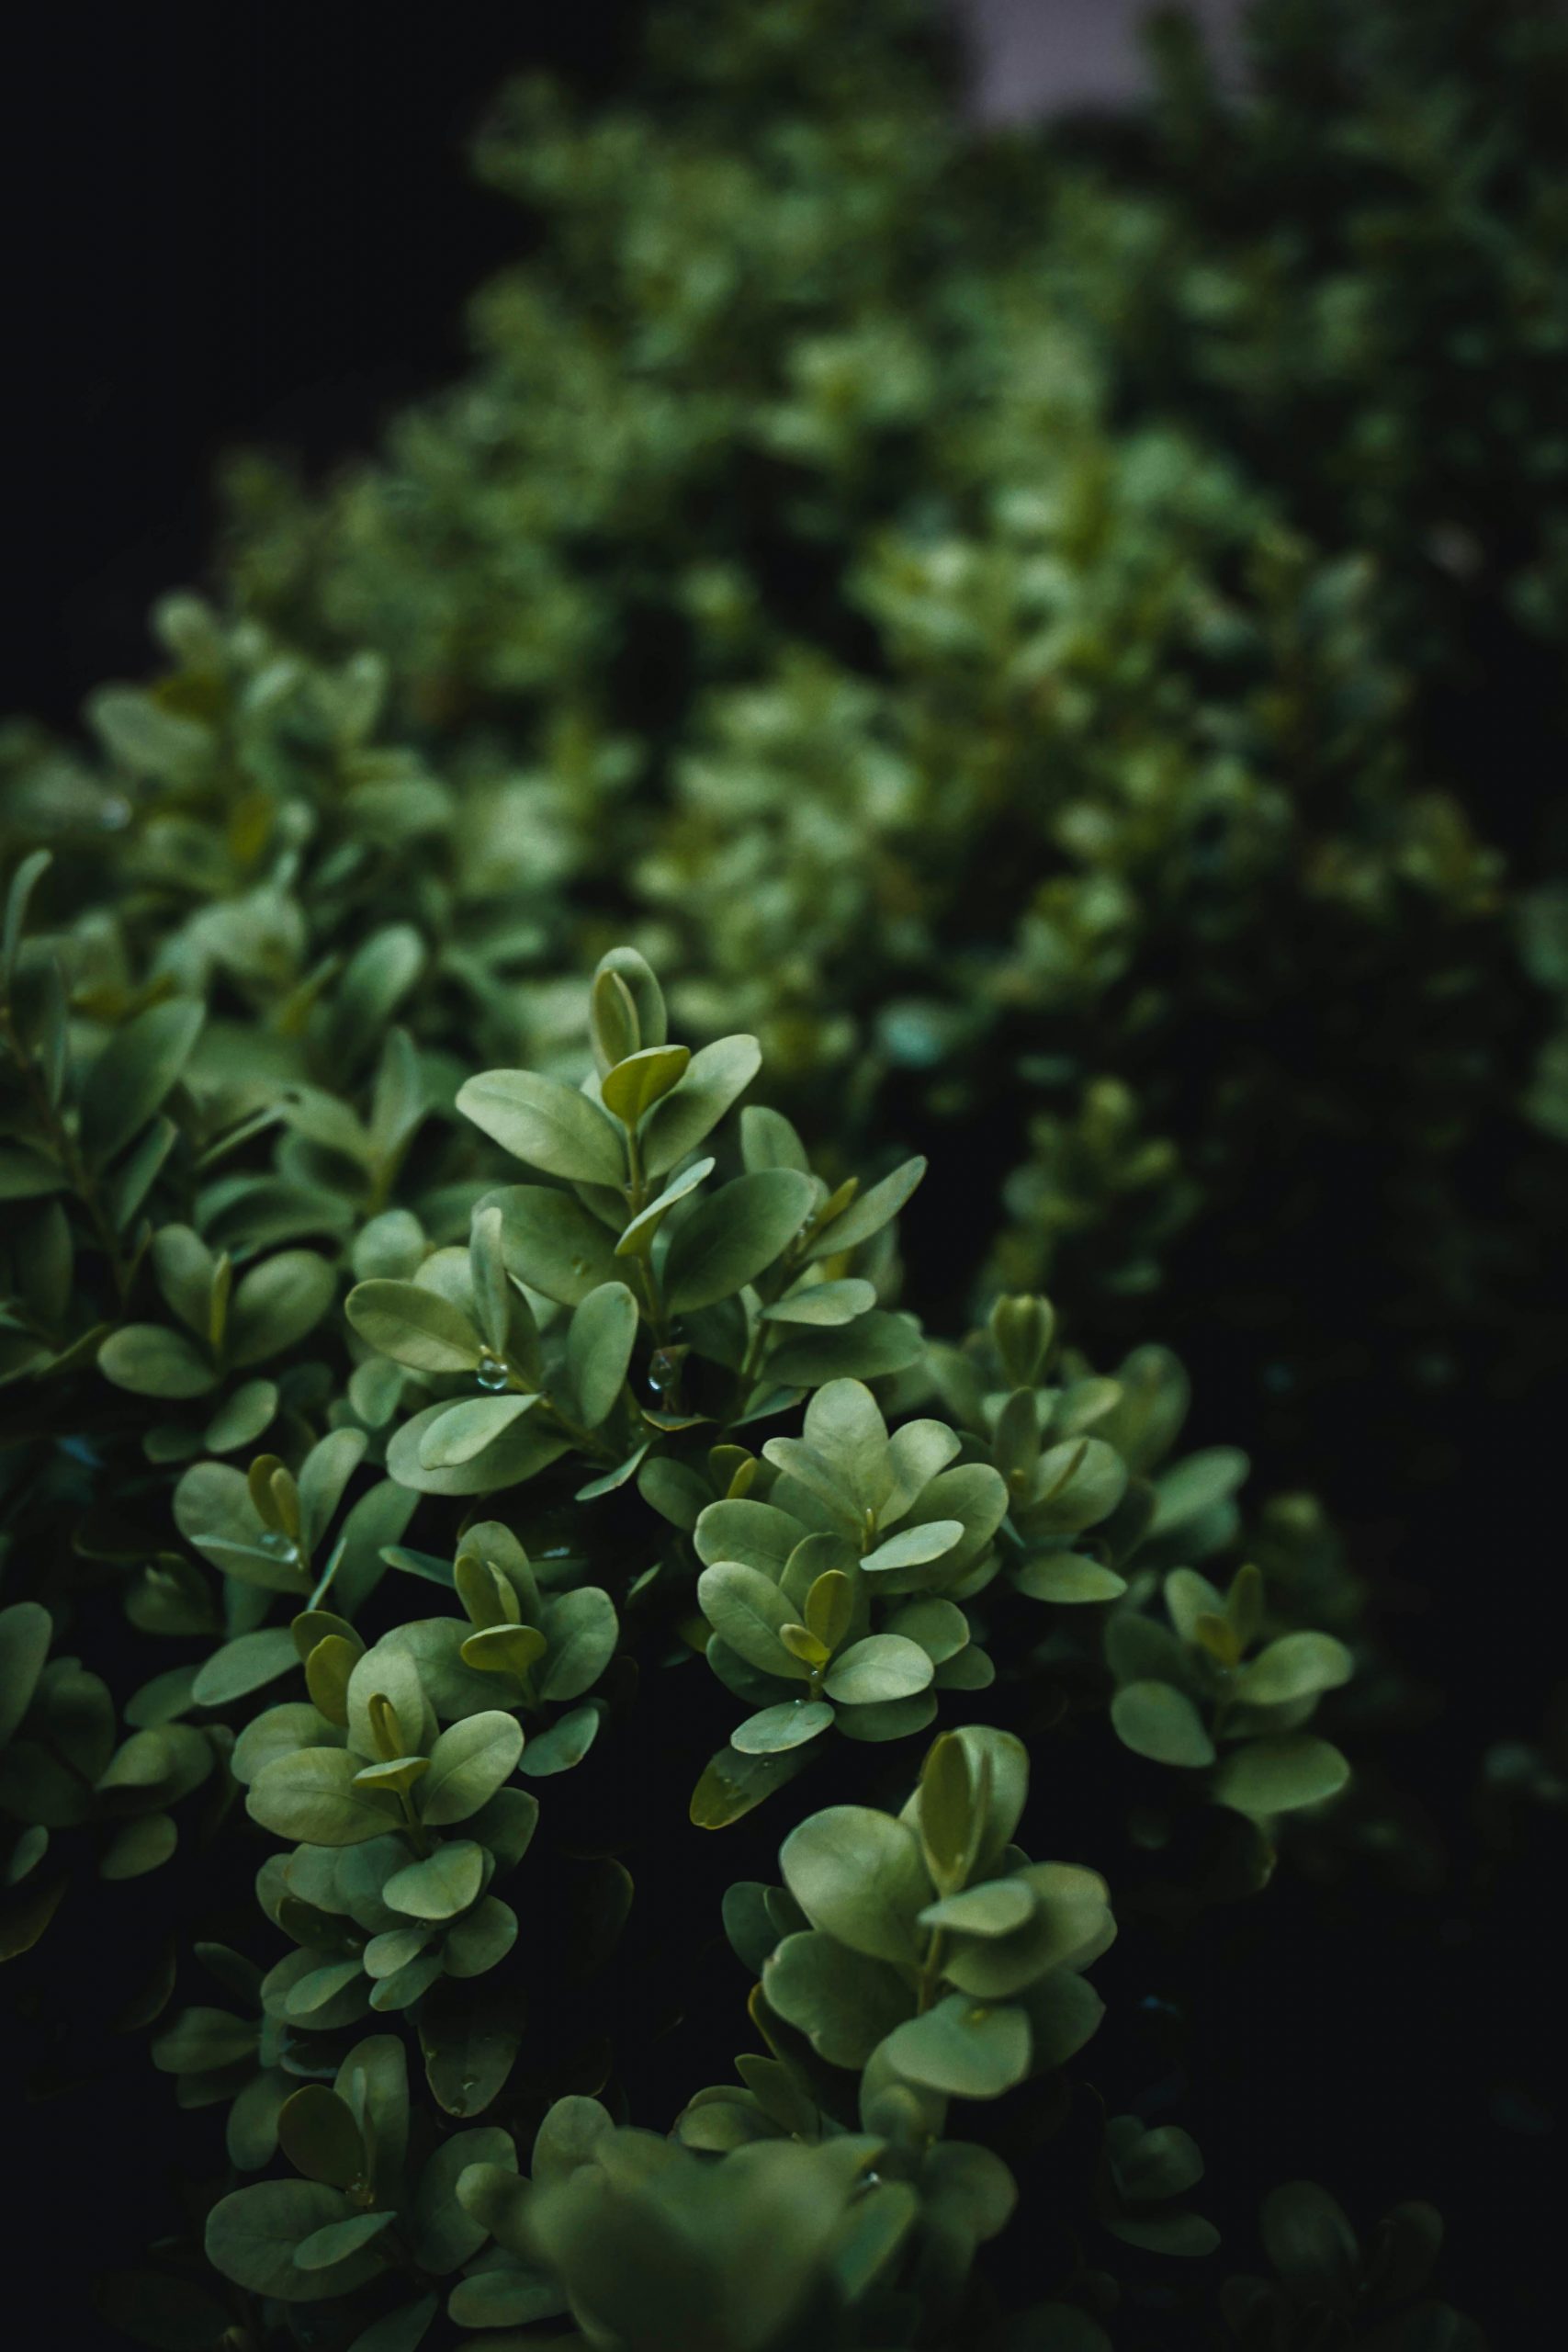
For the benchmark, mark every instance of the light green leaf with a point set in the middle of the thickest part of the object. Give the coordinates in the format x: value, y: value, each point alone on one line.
x: 638, y: 1239
x: 773, y: 1729
x: 467, y: 1764
x: 914, y: 1547
x: 746, y: 1610
x: 441, y: 1885
x: 527, y: 1446
x: 252, y: 2235
x: 1270, y: 1776
x: 598, y: 1350
x: 583, y: 1632
x: 414, y: 1325
x: 844, y: 2003
x: 884, y: 1666
x: 716, y: 1077
x: 135, y: 1069
x: 457, y: 1432
x: 963, y: 2047
x: 1295, y: 1667
x: 311, y: 1796
x: 633, y: 1086
x: 858, y: 1875
x: 244, y: 1665
x: 276, y: 1303
x: 151, y: 1360
x: 768, y: 1140
x: 552, y: 1243
x: 730, y: 1238
x: 26, y: 1631
x: 828, y: 1304
x: 869, y: 1212
x: 1196, y: 1485
x: 546, y: 1122
x: 1154, y: 1719
x: 565, y: 1744
x: 1070, y: 1578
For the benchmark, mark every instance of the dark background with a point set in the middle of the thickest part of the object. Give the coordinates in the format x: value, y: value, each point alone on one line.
x: 228, y: 226
x: 254, y: 225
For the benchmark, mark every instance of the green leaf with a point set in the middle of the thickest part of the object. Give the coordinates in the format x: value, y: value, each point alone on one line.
x: 995, y: 1908
x: 458, y: 1432
x: 445, y: 2234
x: 25, y: 1631
x: 915, y: 1546
x: 1270, y: 1776
x: 141, y: 1846
x: 1075, y: 1485
x: 244, y: 1665
x: 773, y: 1729
x: 24, y: 882
x: 1197, y: 1485
x: 730, y: 1238
x: 479, y: 1940
x: 869, y: 1212
x: 1310, y: 2243
x: 325, y: 2247
x: 870, y: 1348
x: 758, y: 1535
x: 399, y: 2330
x: 1156, y: 1720
x: 768, y: 1140
x: 884, y: 1666
x: 134, y: 1070
x: 627, y: 1006
x: 637, y: 1239
x: 714, y: 1078
x: 152, y: 1360
x: 311, y: 1796
x: 1069, y: 1578
x: 827, y: 1304
x: 1296, y: 1666
x: 528, y: 1445
x: 844, y: 2003
x: 318, y: 2134
x: 504, y: 1649
x: 439, y: 1887
x: 858, y: 1875
x: 470, y: 2045
x: 582, y: 1630
x: 414, y: 1325
x: 546, y: 1122
x: 731, y: 1784
x: 598, y: 1350
x: 552, y: 1243
x: 963, y: 2047
x: 746, y: 1610
x: 467, y: 1764
x: 632, y: 1088
x: 252, y: 2236
x: 276, y: 1303
x: 565, y: 1743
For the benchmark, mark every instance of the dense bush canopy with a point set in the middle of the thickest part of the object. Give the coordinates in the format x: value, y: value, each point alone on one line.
x: 1010, y: 629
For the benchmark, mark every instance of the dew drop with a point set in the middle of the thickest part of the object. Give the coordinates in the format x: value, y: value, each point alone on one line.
x: 279, y: 1547
x: 662, y: 1372
x: 492, y: 1374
